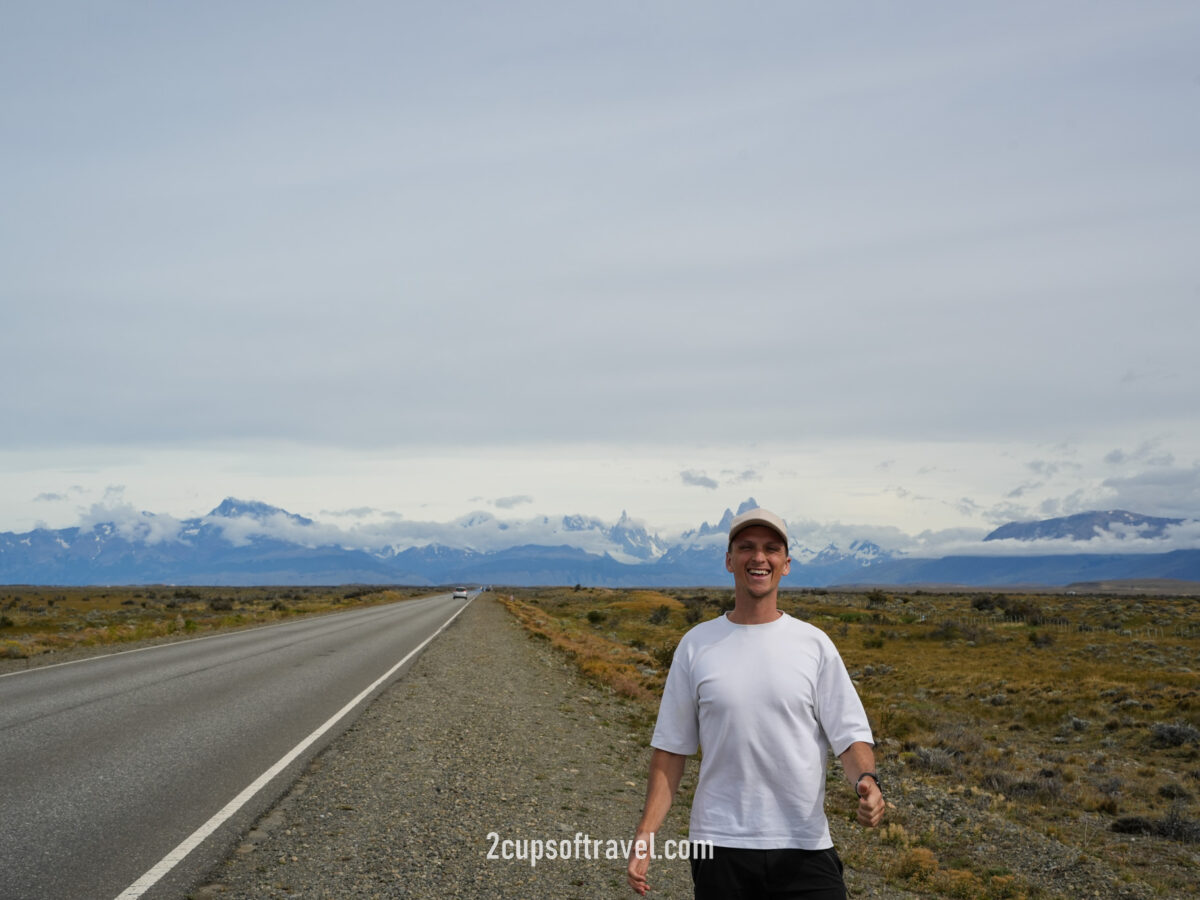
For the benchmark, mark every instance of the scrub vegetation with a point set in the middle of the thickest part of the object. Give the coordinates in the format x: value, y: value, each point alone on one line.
x: 1031, y: 745
x: 40, y: 620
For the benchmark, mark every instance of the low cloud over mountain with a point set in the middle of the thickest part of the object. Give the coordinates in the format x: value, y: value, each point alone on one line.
x: 250, y: 542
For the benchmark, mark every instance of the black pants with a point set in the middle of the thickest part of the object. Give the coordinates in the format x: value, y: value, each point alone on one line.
x: 735, y: 873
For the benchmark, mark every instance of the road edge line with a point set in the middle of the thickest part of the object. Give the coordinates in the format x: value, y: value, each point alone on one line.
x: 156, y: 872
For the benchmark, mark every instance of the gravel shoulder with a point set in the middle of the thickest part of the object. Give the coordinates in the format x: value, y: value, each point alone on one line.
x: 489, y: 733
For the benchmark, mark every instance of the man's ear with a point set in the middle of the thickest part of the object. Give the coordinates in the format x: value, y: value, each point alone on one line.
x: 728, y: 562
x: 787, y: 566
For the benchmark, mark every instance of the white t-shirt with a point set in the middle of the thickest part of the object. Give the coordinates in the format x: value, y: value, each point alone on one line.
x: 766, y: 703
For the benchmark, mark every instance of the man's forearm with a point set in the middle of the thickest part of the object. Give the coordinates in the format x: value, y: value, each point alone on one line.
x: 666, y: 771
x: 856, y: 759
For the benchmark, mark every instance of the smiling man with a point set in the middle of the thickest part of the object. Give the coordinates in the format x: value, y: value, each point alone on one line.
x: 766, y: 696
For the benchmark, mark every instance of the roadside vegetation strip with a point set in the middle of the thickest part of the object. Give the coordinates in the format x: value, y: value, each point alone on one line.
x: 36, y: 621
x: 160, y: 869
x: 1037, y: 745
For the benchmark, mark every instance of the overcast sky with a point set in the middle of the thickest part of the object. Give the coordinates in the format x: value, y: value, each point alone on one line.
x: 919, y: 267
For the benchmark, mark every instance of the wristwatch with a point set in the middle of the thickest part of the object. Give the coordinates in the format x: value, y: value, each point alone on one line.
x: 873, y: 777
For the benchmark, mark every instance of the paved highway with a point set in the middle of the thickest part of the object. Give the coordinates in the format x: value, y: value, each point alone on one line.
x: 109, y: 765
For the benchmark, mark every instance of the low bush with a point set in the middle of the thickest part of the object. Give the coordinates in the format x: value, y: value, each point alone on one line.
x: 936, y: 760
x: 1174, y: 734
x: 1174, y: 791
x: 663, y: 654
x: 1174, y: 826
x: 918, y: 864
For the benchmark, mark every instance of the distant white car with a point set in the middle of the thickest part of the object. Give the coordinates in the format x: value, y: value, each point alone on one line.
x: 460, y: 593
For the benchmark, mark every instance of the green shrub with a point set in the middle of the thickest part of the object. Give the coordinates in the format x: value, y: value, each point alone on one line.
x: 664, y: 653
x: 877, y: 598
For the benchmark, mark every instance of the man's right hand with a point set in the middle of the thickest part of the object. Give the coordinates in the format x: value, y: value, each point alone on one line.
x: 639, y: 863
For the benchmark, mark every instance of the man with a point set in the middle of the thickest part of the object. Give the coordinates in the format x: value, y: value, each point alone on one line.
x: 765, y: 695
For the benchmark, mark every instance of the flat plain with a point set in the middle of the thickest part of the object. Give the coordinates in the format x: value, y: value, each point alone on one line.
x: 1031, y: 744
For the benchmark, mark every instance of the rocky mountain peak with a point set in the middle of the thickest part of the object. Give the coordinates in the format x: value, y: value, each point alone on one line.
x: 233, y: 508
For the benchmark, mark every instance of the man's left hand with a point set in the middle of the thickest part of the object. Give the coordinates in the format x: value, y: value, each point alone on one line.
x: 870, y: 803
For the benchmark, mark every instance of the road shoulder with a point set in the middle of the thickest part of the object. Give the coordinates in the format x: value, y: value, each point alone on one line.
x: 491, y: 736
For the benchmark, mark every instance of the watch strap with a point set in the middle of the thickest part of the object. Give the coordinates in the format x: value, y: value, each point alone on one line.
x: 873, y: 777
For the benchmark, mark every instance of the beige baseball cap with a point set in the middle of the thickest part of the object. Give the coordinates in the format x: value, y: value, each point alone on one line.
x: 758, y: 517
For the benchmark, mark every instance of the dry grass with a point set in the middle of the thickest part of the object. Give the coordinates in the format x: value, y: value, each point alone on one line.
x: 40, y: 620
x: 625, y: 664
x: 1071, y: 719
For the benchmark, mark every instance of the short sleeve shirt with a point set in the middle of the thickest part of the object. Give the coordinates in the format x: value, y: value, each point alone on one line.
x: 765, y: 703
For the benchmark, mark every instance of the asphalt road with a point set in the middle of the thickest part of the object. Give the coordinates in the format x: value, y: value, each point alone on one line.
x: 108, y: 764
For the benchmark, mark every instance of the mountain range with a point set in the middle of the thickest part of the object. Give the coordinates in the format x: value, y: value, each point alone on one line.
x: 249, y: 542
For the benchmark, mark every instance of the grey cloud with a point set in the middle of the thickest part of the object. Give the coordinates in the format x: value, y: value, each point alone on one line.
x: 1050, y: 507
x: 1165, y: 491
x: 510, y: 502
x: 740, y: 477
x: 1147, y: 452
x: 1021, y: 489
x: 903, y: 493
x: 1050, y: 468
x: 967, y: 506
x: 607, y: 231
x: 698, y: 479
x: 1007, y: 512
x: 74, y: 490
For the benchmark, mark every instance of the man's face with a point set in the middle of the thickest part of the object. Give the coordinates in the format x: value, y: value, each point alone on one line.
x: 758, y: 558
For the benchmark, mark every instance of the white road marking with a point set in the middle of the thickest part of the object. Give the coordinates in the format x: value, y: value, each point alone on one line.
x: 192, y: 841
